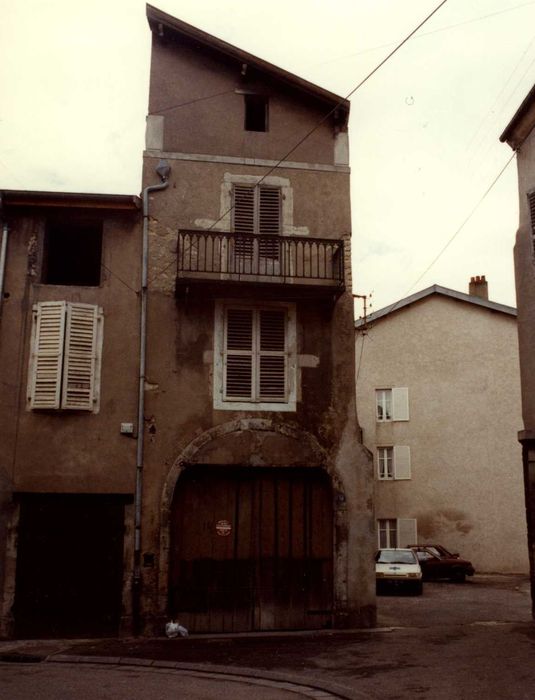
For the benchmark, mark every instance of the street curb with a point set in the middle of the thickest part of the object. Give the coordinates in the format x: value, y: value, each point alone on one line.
x: 334, y: 689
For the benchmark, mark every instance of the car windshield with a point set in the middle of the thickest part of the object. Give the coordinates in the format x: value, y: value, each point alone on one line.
x: 395, y: 556
x: 435, y: 551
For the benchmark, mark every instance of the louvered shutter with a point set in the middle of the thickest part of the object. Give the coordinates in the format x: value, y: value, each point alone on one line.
x: 402, y: 462
x: 243, y: 209
x: 272, y: 355
x: 269, y: 220
x: 47, y: 355
x: 238, y: 361
x: 531, y: 200
x: 80, y: 357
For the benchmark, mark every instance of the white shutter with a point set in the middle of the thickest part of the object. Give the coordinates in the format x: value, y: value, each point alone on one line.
x: 407, y: 533
x: 400, y: 403
x: 47, y: 354
x: 80, y: 357
x: 402, y: 462
x: 272, y: 380
x: 238, y: 355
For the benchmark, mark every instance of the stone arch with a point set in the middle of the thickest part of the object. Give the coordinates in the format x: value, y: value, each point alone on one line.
x: 300, y: 448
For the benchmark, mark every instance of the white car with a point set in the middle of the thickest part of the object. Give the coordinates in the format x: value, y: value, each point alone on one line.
x: 398, y: 568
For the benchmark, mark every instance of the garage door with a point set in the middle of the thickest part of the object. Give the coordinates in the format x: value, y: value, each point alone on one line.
x: 251, y: 549
x: 69, y: 566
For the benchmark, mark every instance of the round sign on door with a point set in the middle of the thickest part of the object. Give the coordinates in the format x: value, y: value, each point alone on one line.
x: 223, y: 528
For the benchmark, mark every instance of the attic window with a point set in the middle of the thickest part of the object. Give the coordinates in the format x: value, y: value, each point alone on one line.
x: 256, y: 113
x: 72, y: 253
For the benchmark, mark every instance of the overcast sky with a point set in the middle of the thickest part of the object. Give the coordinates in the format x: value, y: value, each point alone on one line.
x: 424, y: 129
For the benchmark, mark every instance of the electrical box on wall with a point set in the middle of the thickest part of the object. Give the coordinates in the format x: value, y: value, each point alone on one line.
x: 127, y: 428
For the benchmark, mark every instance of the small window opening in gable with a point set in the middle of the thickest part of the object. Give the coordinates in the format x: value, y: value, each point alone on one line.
x: 256, y: 113
x: 72, y: 253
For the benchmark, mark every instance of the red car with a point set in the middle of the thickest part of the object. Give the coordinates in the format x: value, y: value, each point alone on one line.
x: 436, y: 562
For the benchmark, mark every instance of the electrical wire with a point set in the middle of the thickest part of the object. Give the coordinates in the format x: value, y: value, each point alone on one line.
x: 433, y: 31
x: 191, y: 102
x: 320, y: 122
x: 454, y: 236
x: 114, y: 274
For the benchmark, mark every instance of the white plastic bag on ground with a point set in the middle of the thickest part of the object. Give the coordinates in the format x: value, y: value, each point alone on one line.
x: 174, y: 629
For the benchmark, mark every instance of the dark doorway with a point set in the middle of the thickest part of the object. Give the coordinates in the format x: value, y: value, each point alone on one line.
x: 69, y: 566
x: 252, y: 549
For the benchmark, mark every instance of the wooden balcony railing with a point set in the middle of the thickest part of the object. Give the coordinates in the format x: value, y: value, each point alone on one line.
x: 228, y: 257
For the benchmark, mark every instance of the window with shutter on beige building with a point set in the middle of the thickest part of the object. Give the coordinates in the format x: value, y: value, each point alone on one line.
x: 64, y: 369
x: 255, y: 357
x: 393, y: 462
x: 396, y: 532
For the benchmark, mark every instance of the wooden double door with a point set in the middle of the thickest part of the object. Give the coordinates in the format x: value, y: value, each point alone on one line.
x: 251, y: 549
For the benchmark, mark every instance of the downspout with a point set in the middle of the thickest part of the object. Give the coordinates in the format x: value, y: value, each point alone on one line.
x: 3, y: 255
x: 163, y: 171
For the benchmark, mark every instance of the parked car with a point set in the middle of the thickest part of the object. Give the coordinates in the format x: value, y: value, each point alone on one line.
x: 437, y: 562
x: 398, y: 568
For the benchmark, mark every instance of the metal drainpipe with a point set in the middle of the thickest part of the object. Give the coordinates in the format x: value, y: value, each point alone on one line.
x: 3, y: 257
x: 163, y: 171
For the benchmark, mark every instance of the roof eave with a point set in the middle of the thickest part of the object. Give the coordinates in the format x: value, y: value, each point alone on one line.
x: 508, y: 133
x: 29, y: 198
x: 429, y: 291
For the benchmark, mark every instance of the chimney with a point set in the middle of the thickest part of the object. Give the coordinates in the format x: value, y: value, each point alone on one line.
x: 478, y: 287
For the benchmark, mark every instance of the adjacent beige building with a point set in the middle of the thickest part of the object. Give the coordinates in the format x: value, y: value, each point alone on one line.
x: 438, y: 397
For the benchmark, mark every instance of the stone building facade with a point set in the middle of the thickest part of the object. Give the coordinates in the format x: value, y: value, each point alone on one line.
x: 257, y: 491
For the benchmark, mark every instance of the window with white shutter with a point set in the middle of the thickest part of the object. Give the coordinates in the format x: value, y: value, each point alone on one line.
x: 392, y: 404
x: 393, y: 462
x: 396, y: 532
x: 255, y: 357
x: 65, y: 356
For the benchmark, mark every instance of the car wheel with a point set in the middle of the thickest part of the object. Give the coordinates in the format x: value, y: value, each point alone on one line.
x: 458, y: 576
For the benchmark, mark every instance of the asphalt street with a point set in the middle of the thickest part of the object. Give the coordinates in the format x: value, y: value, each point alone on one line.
x: 462, y: 641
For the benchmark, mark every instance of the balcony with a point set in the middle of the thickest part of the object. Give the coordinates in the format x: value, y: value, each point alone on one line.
x: 282, y: 266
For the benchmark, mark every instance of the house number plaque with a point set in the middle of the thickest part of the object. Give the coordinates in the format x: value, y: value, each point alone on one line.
x: 223, y: 528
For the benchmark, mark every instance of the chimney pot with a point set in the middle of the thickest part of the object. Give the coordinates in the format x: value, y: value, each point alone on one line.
x: 478, y: 287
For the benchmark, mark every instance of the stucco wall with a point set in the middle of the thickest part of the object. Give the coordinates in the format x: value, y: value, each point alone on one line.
x: 71, y: 451
x: 185, y: 76
x: 460, y: 364
x: 525, y: 280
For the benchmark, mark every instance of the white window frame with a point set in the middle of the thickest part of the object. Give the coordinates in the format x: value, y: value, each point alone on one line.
x: 393, y: 462
x: 65, y: 357
x: 391, y: 404
x: 399, y: 532
x: 220, y: 402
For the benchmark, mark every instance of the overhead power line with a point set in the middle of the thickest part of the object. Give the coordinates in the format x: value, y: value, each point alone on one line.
x: 455, y: 234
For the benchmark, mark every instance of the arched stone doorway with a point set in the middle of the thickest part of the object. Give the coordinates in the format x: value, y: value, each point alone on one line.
x: 249, y: 529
